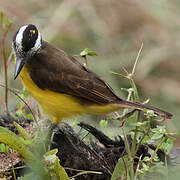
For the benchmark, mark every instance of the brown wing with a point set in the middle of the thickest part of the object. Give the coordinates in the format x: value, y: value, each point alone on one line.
x: 53, y: 69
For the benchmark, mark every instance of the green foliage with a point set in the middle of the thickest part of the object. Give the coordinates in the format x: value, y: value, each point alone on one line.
x: 86, y: 52
x: 21, y: 106
x: 103, y: 123
x: 5, y: 26
x: 44, y: 165
x: 3, y: 148
x: 56, y: 171
x: 5, y: 22
x: 121, y: 170
x: 141, y: 132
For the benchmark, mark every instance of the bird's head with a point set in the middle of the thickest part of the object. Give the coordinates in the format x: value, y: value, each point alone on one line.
x: 27, y: 41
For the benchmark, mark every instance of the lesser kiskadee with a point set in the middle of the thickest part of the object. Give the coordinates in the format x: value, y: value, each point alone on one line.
x: 62, y: 85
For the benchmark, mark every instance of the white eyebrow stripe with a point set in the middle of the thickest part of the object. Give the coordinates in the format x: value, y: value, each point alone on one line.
x: 19, y: 35
x: 37, y: 43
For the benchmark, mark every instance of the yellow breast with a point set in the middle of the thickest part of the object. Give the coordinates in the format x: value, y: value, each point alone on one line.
x: 60, y: 105
x: 55, y: 105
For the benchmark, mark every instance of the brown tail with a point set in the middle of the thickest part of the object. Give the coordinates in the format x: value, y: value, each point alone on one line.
x: 139, y: 106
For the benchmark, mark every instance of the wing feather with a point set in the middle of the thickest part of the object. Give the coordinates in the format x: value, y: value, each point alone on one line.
x: 59, y: 72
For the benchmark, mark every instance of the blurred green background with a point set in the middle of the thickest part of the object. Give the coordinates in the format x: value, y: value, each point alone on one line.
x: 115, y: 29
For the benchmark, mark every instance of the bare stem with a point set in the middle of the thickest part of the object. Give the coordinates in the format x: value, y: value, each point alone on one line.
x: 137, y: 58
x: 131, y: 160
x: 157, y: 148
x: 5, y: 68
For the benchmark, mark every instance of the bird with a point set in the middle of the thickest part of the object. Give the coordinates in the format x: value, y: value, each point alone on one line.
x: 60, y: 83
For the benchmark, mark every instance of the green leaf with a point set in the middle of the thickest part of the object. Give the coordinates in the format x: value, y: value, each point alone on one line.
x: 92, y: 53
x: 121, y: 169
x: 146, y: 159
x: 51, y: 152
x: 157, y: 136
x: 23, y: 132
x: 19, y: 113
x: 25, y: 93
x: 167, y: 145
x: 29, y: 116
x: 149, y: 113
x: 3, y: 148
x: 60, y: 172
x: 76, y: 55
x: 146, y: 139
x: 159, y: 129
x: 139, y: 124
x: 9, y: 23
x: 55, y: 169
x: 103, y: 123
x: 86, y: 52
x: 2, y: 17
x: 118, y: 74
x: 13, y: 141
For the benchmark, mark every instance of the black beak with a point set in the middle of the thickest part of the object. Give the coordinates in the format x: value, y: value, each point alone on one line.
x: 19, y: 65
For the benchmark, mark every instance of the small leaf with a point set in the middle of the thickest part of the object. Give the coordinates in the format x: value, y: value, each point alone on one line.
x: 13, y: 141
x: 51, y: 152
x: 19, y: 113
x: 60, y: 172
x: 146, y: 159
x: 118, y: 74
x: 86, y: 52
x: 103, y: 123
x: 157, y: 136
x: 25, y: 93
x: 76, y: 55
x: 2, y: 17
x: 159, y: 129
x: 92, y: 53
x: 55, y: 169
x: 149, y: 113
x: 121, y: 169
x: 3, y: 148
x: 9, y: 23
x: 167, y: 145
x: 50, y: 159
x: 139, y: 124
x: 23, y: 132
x: 146, y: 139
x: 29, y: 116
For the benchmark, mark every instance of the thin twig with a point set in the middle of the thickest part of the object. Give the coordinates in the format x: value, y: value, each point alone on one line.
x: 3, y: 103
x: 12, y: 90
x: 131, y: 160
x: 125, y: 70
x: 9, y: 58
x: 15, y: 168
x: 80, y: 170
x: 5, y: 66
x: 157, y: 148
x: 137, y: 58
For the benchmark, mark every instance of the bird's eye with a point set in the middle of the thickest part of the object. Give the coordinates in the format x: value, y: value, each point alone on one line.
x: 32, y: 32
